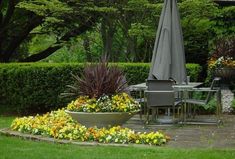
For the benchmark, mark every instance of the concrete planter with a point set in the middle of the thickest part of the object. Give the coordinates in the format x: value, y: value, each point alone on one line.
x: 226, y: 73
x: 101, y: 119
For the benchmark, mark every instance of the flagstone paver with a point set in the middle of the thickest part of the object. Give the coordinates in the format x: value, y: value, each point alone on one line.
x: 193, y: 136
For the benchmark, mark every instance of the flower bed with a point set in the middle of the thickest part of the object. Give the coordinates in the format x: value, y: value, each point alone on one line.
x: 117, y: 103
x: 59, y: 125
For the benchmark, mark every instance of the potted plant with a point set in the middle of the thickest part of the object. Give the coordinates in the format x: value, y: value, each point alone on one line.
x: 222, y: 60
x: 223, y: 66
x: 101, y: 97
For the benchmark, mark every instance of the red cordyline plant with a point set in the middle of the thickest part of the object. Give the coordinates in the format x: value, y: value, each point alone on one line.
x: 224, y: 47
x: 224, y: 54
x: 98, y: 79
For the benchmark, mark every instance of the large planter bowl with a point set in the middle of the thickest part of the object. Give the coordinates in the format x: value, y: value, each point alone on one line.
x: 225, y: 72
x: 101, y: 119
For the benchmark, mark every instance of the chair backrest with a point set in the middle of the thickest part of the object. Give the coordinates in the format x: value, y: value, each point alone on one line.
x: 215, y: 84
x: 164, y: 95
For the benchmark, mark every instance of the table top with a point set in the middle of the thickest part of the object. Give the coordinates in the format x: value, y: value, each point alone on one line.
x: 143, y: 87
x: 188, y: 86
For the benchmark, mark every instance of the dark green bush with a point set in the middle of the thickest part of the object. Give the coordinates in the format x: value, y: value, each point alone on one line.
x: 138, y: 72
x: 28, y: 88
x: 193, y: 70
x: 35, y: 87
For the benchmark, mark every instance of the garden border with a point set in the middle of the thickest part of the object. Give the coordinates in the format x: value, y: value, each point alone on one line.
x: 8, y: 132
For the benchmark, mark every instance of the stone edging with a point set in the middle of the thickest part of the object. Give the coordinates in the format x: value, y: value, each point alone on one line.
x: 8, y: 132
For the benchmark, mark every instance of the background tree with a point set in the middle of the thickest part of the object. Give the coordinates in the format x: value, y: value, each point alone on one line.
x: 82, y: 30
x: 61, y: 19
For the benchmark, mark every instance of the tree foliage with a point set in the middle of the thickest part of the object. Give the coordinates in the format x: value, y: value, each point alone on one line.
x: 31, y: 30
x: 20, y: 19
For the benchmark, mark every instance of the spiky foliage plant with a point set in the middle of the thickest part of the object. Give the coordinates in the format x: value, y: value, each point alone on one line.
x: 96, y: 80
x: 224, y: 47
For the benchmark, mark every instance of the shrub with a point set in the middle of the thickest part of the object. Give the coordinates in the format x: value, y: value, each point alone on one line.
x: 29, y: 88
x: 193, y: 70
x: 138, y: 72
x: 210, y: 107
x: 35, y: 87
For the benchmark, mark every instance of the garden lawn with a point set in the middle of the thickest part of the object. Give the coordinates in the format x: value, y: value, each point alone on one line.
x: 12, y: 147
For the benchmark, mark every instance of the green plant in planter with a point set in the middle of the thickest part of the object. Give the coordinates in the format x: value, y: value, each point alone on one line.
x: 223, y: 55
x: 101, y: 88
x: 97, y: 79
x: 222, y: 60
x: 121, y: 102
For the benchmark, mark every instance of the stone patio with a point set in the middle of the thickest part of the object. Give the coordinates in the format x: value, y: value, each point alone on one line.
x: 193, y: 136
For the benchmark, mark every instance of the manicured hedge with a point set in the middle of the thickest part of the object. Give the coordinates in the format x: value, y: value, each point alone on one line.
x: 35, y: 87
x: 27, y: 88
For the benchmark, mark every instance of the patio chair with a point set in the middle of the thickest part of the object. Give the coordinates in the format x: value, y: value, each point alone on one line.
x: 214, y: 88
x: 160, y: 94
x: 138, y: 95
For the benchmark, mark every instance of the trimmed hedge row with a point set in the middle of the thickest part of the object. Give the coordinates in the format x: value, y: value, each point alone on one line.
x: 35, y: 87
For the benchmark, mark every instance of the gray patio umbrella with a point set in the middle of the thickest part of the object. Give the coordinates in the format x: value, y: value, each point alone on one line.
x: 168, y: 60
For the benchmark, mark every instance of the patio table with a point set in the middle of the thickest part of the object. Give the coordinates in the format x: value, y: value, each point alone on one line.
x: 184, y: 88
x: 143, y: 87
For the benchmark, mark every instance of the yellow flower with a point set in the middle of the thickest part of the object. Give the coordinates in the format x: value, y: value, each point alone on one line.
x: 58, y: 124
x: 137, y: 141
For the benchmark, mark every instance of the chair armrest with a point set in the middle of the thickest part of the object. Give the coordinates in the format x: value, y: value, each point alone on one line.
x: 203, y: 90
x: 158, y: 91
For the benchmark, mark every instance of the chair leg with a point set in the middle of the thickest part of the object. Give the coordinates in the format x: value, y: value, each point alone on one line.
x: 178, y: 111
x: 185, y: 112
x: 147, y: 118
x: 154, y: 114
x: 157, y: 113
x: 218, y: 104
x: 189, y: 111
x: 194, y: 111
x: 182, y: 113
x: 168, y: 112
x: 141, y: 110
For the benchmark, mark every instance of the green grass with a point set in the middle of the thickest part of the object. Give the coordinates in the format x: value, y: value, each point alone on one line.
x: 12, y: 147
x: 5, y: 121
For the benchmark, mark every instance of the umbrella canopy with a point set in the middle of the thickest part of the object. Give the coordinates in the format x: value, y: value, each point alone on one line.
x: 168, y: 60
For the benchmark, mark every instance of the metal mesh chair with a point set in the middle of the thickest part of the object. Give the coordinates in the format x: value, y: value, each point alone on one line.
x: 160, y: 94
x: 214, y: 88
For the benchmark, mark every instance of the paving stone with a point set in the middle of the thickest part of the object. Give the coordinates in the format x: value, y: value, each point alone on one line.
x: 184, y: 136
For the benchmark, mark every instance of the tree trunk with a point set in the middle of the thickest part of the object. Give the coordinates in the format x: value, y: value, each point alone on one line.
x: 41, y: 55
x: 131, y: 48
x: 13, y: 32
x: 16, y: 41
x: 107, y: 33
x: 125, y: 22
x: 86, y: 45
